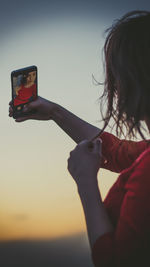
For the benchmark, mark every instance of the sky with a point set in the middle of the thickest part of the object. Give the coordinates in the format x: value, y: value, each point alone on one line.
x: 64, y: 39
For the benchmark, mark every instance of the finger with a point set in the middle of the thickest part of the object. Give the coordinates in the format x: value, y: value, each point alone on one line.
x: 85, y: 144
x: 10, y: 114
x: 90, y: 145
x: 99, y: 139
x: 94, y: 146
x: 97, y: 145
x: 68, y: 161
x: 25, y: 118
x: 69, y: 164
x: 27, y: 108
x: 71, y: 153
x: 31, y: 106
x: 10, y: 109
x: 21, y: 119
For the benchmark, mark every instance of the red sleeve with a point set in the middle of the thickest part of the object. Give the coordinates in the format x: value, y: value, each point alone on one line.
x: 129, y: 244
x: 119, y: 154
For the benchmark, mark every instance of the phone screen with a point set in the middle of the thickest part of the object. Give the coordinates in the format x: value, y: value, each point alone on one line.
x: 24, y: 88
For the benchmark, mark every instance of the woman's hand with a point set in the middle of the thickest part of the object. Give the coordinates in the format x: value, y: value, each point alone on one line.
x: 39, y: 109
x: 84, y: 161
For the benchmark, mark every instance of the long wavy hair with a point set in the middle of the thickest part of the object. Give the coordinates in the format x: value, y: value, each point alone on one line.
x: 127, y: 73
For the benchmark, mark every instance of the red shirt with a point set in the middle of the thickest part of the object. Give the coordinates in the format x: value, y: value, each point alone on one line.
x: 24, y: 94
x: 127, y: 204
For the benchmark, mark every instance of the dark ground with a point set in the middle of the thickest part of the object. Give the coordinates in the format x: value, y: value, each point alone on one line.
x: 66, y: 252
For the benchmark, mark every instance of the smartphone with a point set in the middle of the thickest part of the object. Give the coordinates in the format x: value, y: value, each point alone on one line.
x: 24, y: 89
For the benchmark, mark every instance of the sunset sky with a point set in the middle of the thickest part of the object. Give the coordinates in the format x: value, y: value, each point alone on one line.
x: 38, y: 197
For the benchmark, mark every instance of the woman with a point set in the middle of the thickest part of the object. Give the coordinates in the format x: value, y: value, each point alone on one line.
x: 27, y: 90
x: 118, y: 227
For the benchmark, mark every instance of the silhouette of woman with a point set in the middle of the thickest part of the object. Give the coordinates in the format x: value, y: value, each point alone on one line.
x: 118, y: 227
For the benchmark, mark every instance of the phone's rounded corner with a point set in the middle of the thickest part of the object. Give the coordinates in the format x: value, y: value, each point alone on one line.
x: 34, y: 66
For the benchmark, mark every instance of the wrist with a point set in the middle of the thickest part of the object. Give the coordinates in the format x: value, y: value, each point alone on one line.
x: 89, y: 195
x: 56, y: 112
x: 52, y: 110
x: 88, y: 187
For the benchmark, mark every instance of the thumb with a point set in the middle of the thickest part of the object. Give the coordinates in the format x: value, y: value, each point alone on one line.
x: 97, y: 145
x: 29, y: 107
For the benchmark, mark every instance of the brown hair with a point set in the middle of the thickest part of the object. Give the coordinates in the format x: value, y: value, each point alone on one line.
x: 127, y: 73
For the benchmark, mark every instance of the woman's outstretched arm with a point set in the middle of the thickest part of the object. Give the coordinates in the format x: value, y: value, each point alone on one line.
x: 43, y: 109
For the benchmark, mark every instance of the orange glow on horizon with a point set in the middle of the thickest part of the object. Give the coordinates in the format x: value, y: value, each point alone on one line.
x: 41, y: 226
x: 48, y: 217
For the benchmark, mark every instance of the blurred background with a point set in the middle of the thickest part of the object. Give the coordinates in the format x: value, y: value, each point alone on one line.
x: 41, y: 218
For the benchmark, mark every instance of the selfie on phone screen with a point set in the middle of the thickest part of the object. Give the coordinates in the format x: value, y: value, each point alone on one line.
x: 24, y: 88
